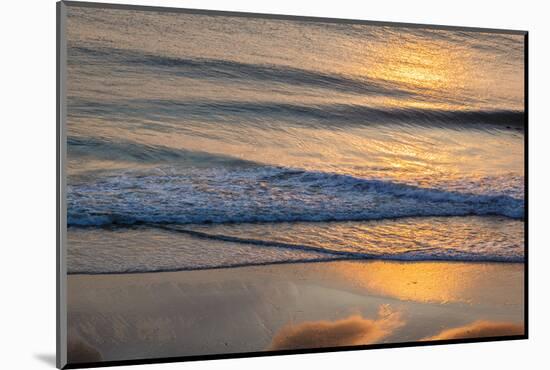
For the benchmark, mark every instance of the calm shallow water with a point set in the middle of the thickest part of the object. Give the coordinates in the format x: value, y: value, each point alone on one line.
x: 198, y: 141
x: 195, y: 246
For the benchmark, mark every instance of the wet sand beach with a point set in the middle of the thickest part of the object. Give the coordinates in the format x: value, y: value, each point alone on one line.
x: 303, y: 305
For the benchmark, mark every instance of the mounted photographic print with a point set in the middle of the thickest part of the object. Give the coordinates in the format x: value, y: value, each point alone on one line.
x: 234, y: 184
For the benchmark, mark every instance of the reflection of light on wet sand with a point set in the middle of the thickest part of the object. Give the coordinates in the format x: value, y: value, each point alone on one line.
x: 353, y: 330
x: 480, y: 329
x: 244, y: 309
x: 439, y: 282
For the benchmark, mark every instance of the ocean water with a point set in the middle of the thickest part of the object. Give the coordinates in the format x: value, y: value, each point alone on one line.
x: 201, y: 141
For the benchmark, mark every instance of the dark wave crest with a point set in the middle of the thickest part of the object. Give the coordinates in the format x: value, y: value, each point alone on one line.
x: 126, y: 151
x: 328, y: 114
x: 233, y: 70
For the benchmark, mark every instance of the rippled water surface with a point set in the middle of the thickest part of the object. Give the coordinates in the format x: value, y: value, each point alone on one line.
x: 200, y: 141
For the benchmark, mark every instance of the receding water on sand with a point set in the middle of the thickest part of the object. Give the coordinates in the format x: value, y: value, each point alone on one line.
x: 165, y: 247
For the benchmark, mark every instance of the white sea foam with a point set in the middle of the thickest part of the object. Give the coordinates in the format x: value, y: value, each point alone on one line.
x: 266, y: 194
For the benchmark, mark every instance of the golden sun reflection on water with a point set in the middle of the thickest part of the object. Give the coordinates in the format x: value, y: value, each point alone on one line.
x: 440, y: 75
x: 419, y: 65
x: 438, y: 282
x: 423, y: 66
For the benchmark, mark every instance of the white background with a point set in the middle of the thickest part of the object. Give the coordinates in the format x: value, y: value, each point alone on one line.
x: 27, y: 180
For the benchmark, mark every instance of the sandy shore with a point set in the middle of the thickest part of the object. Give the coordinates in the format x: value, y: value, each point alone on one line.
x: 137, y: 316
